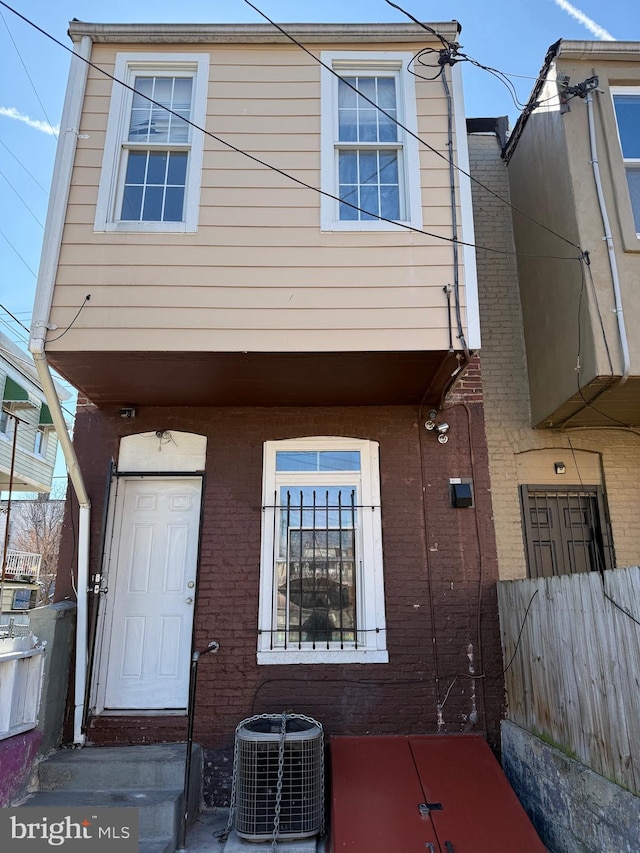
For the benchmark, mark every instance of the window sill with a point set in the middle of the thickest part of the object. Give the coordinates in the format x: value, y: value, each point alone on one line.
x: 353, y: 225
x: 312, y: 656
x: 147, y: 228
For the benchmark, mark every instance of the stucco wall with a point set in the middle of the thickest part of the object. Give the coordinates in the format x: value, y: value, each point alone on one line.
x: 506, y: 392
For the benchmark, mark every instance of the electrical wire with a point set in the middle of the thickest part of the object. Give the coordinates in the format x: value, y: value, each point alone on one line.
x: 20, y: 163
x: 86, y: 299
x: 35, y: 91
x: 2, y: 234
x: 302, y: 183
x: 448, y: 159
x: 600, y: 563
x: 13, y: 316
x: 24, y: 203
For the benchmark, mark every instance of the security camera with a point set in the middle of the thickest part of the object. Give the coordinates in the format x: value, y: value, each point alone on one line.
x: 442, y: 430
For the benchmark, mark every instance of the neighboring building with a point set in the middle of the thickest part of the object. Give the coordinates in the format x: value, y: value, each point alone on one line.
x: 562, y: 398
x: 26, y: 416
x: 259, y: 361
x: 28, y: 446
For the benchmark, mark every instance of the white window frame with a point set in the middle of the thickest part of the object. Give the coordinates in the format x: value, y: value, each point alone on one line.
x: 372, y: 643
x: 110, y: 190
x: 44, y: 432
x: 353, y: 64
x: 633, y: 162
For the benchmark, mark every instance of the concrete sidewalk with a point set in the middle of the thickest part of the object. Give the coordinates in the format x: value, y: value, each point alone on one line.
x: 202, y: 838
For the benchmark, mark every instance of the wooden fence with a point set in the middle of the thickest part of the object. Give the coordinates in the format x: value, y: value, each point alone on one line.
x: 574, y: 676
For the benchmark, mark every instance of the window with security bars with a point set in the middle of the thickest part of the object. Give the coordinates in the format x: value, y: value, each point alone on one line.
x: 566, y: 531
x: 322, y: 595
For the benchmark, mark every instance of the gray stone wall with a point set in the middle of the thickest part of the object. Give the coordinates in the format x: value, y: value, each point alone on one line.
x: 573, y: 809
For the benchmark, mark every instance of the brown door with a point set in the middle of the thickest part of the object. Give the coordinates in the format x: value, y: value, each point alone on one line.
x: 565, y: 531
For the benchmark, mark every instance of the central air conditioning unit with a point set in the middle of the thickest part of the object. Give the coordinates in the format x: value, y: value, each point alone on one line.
x: 263, y: 781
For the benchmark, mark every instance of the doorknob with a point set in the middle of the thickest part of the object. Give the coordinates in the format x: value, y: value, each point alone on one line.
x: 189, y: 600
x: 191, y: 584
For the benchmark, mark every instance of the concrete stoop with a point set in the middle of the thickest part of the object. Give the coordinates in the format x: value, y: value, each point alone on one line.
x: 149, y: 778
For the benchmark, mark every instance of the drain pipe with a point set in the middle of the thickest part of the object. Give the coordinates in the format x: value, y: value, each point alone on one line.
x: 624, y: 343
x: 60, y: 186
x: 75, y: 475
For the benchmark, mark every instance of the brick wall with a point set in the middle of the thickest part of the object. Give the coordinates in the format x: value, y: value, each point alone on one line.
x: 439, y: 569
x: 506, y: 389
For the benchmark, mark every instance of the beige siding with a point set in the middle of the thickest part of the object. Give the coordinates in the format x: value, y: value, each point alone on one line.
x: 259, y: 264
x: 517, y: 453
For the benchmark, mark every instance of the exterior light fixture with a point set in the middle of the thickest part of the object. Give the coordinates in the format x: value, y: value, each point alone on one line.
x: 560, y: 467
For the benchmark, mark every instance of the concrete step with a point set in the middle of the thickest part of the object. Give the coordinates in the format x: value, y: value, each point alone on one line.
x: 153, y: 766
x: 160, y: 811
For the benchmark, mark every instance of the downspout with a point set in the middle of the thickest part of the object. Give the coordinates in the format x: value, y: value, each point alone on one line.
x: 624, y: 343
x: 60, y: 185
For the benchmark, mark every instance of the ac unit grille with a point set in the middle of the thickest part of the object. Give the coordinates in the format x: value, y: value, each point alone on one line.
x: 302, y: 800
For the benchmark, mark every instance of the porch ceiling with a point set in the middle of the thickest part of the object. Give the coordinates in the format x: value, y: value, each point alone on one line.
x: 257, y: 379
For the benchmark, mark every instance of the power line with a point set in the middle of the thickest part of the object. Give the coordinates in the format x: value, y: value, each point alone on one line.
x: 13, y: 316
x: 20, y: 163
x: 450, y: 60
x: 21, y: 199
x: 17, y: 252
x: 35, y: 91
x: 298, y: 181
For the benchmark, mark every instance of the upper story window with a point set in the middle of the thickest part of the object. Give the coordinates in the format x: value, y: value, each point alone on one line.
x: 626, y: 102
x: 152, y: 161
x: 368, y: 161
x: 321, y: 595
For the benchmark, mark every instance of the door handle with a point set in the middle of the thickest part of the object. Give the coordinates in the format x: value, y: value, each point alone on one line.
x: 189, y: 600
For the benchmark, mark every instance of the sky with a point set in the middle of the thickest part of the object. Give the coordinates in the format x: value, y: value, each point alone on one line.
x: 510, y: 36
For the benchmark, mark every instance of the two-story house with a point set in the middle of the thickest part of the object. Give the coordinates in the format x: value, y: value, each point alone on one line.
x: 261, y: 262
x: 562, y: 355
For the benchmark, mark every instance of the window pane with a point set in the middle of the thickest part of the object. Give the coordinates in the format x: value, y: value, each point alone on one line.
x: 163, y: 92
x: 633, y: 179
x: 132, y: 204
x: 350, y: 194
x: 152, y: 208
x: 173, y: 204
x: 390, y: 202
x: 366, y: 85
x: 177, y: 171
x: 387, y: 93
x: 368, y: 167
x: 346, y: 95
x: 368, y: 126
x: 318, y: 460
x: 348, y: 167
x: 628, y: 115
x: 139, y: 126
x: 157, y: 169
x: 144, y: 85
x: 347, y: 125
x: 296, y: 460
x: 136, y: 167
x: 387, y: 128
x: 369, y: 202
x: 388, y: 167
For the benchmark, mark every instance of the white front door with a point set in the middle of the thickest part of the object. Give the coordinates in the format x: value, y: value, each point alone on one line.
x: 151, y: 594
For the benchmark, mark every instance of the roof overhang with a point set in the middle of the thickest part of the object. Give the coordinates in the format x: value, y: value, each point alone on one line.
x: 622, y: 51
x: 258, y: 33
